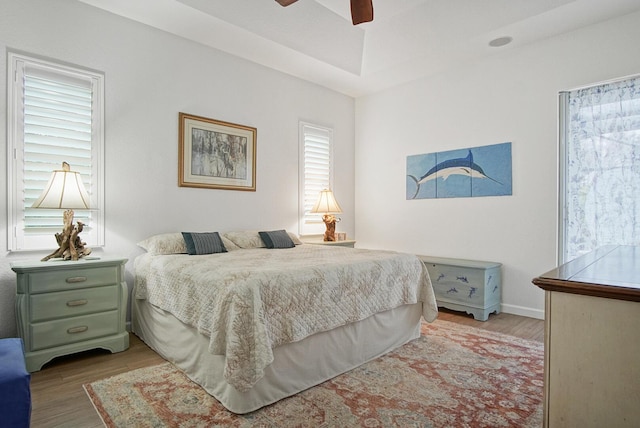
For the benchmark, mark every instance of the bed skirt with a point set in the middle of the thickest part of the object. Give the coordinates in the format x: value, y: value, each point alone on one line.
x: 297, y: 366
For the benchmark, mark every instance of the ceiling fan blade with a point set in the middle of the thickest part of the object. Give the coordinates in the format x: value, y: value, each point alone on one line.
x: 286, y: 2
x: 361, y: 11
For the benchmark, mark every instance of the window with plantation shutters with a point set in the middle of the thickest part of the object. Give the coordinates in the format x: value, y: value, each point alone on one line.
x: 55, y: 115
x: 316, y: 164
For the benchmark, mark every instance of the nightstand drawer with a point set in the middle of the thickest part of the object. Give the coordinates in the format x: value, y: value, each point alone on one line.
x: 53, y: 280
x: 70, y: 330
x: 73, y: 303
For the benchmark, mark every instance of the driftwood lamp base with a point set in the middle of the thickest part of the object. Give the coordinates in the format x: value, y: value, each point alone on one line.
x: 70, y: 245
x: 330, y: 221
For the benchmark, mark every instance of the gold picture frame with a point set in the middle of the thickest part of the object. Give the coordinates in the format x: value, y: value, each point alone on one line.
x: 213, y: 154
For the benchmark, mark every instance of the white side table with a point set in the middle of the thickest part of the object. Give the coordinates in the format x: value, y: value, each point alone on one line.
x: 319, y: 241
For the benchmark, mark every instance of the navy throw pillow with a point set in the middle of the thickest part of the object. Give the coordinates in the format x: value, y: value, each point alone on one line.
x: 203, y: 243
x: 277, y: 239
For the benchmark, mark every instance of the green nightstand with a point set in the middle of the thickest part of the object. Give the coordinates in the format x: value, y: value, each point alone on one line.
x: 63, y: 307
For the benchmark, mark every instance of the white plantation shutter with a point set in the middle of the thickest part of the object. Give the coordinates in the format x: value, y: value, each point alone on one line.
x: 316, y: 164
x: 55, y: 115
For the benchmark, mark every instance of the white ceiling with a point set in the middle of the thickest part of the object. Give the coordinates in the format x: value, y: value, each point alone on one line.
x: 408, y: 39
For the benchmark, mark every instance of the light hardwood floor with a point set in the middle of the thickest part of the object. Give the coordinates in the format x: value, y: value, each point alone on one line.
x: 58, y: 399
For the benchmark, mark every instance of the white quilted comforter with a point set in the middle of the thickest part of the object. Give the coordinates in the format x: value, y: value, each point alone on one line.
x: 252, y: 300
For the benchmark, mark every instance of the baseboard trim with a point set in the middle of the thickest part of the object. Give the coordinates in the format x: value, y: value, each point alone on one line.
x: 523, y: 311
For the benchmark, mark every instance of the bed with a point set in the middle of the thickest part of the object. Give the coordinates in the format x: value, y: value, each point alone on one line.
x: 253, y: 325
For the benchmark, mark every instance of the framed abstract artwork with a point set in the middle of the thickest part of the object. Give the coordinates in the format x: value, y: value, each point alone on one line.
x: 214, y: 154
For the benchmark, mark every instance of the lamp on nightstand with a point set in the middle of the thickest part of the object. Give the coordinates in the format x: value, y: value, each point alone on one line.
x: 65, y: 190
x: 327, y: 205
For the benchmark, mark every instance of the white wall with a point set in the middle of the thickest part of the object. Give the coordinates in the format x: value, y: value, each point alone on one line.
x: 512, y: 96
x: 150, y: 77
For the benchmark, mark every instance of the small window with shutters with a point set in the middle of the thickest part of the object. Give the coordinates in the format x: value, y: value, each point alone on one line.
x: 54, y: 115
x: 316, y: 173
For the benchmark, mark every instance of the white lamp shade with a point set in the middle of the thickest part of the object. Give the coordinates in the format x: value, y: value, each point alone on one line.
x: 326, y: 203
x: 65, y: 190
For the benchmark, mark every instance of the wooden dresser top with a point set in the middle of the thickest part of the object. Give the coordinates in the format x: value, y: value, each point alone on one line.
x: 612, y: 272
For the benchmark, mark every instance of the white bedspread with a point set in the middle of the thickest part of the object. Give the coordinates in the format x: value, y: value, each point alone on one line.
x: 252, y: 300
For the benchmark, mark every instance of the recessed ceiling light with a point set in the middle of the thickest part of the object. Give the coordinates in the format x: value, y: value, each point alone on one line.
x: 500, y: 41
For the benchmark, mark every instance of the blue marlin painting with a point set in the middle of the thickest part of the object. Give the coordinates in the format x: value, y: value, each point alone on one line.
x: 448, y: 174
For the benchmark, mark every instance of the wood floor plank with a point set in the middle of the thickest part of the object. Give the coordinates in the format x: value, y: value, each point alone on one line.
x: 58, y: 399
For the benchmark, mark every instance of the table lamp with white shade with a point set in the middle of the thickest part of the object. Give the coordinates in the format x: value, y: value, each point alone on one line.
x: 327, y: 205
x: 65, y: 190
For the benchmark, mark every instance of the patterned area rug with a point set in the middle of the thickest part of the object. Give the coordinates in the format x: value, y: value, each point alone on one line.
x: 452, y: 376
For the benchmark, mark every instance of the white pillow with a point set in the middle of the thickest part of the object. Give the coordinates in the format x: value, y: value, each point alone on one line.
x: 245, y: 239
x: 251, y: 239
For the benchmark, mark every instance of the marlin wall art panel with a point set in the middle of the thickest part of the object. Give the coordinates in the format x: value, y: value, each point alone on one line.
x: 477, y: 171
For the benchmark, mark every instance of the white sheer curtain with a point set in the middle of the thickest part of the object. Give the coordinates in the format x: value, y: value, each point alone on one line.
x: 600, y: 168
